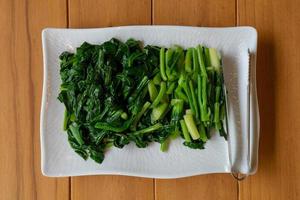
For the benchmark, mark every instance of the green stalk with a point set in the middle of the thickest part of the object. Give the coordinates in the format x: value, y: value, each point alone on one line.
x: 165, y: 145
x: 189, y: 95
x: 149, y: 129
x: 202, y: 132
x: 169, y: 55
x: 139, y: 115
x: 162, y: 64
x: 165, y: 98
x: 110, y: 127
x: 181, y: 61
x: 195, y: 64
x: 214, y: 58
x: 180, y: 95
x: 201, y: 60
x: 177, y: 109
x: 189, y: 111
x: 215, y: 62
x: 72, y: 117
x: 175, y: 133
x: 160, y: 95
x: 185, y: 132
x: 166, y: 111
x: 223, y: 111
x: 217, y: 116
x: 66, y: 119
x: 157, y: 79
x: 174, y: 62
x: 194, y: 99
x: 202, y: 99
x: 183, y: 83
x: 109, y: 145
x: 158, y: 112
x: 171, y: 88
x: 207, y: 57
x: 188, y: 60
x: 217, y: 108
x: 63, y: 88
x: 204, y: 93
x: 152, y: 91
x: 195, y: 61
x: 191, y: 126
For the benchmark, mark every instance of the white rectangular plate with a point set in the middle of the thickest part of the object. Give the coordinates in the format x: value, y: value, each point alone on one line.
x: 58, y: 159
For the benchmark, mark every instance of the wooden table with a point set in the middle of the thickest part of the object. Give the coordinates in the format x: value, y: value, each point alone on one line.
x: 278, y: 76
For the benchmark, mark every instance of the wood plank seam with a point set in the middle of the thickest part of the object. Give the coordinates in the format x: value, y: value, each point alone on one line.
x: 67, y: 13
x: 21, y: 81
x: 15, y: 116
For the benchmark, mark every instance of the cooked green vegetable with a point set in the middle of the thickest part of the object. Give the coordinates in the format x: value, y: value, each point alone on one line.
x: 152, y: 90
x: 191, y: 126
x: 185, y: 132
x: 162, y: 64
x: 188, y: 60
x: 161, y: 93
x: 116, y: 93
x: 139, y: 115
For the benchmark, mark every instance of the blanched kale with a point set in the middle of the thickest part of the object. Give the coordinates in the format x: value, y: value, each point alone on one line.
x: 116, y: 93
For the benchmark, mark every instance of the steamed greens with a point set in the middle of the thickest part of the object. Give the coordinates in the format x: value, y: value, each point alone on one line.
x: 116, y: 93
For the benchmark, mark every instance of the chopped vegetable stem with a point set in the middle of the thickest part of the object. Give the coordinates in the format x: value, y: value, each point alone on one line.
x: 191, y: 126
x: 160, y: 95
x: 152, y: 91
x: 162, y: 64
x: 185, y: 132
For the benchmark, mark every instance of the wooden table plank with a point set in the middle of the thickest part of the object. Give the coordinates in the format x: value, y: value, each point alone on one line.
x: 21, y: 23
x: 102, y: 13
x: 278, y: 25
x: 196, y: 13
x: 216, y: 186
x: 112, y: 187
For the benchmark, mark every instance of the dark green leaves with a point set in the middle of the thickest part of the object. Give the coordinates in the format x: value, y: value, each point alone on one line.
x: 104, y: 87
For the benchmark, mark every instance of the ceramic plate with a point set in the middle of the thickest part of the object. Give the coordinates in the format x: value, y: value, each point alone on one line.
x: 58, y: 159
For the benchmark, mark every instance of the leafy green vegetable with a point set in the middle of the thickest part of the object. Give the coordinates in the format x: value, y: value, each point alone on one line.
x: 120, y: 92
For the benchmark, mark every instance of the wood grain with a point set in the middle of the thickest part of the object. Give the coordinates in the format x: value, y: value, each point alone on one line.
x: 21, y: 23
x: 112, y: 187
x: 196, y: 13
x: 278, y: 26
x: 103, y: 13
x: 210, y: 187
x: 94, y: 13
